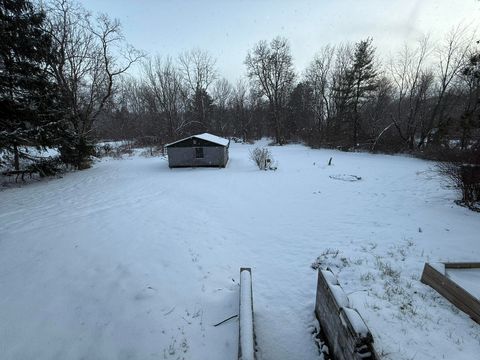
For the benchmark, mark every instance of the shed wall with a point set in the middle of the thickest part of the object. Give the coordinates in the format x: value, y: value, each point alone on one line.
x: 186, y: 156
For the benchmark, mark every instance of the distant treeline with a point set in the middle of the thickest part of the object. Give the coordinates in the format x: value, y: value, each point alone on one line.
x: 64, y: 83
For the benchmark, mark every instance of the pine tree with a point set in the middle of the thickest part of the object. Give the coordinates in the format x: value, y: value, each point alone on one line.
x: 363, y: 78
x: 342, y: 90
x: 201, y: 108
x: 353, y: 84
x: 300, y: 113
x: 27, y: 96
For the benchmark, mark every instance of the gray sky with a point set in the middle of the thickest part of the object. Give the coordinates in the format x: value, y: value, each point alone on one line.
x: 229, y: 28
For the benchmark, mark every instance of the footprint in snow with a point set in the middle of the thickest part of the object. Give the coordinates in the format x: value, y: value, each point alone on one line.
x: 144, y: 294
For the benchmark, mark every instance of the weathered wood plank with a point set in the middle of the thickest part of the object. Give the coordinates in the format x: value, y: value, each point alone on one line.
x: 462, y: 265
x: 457, y: 295
x: 347, y: 335
x: 449, y: 286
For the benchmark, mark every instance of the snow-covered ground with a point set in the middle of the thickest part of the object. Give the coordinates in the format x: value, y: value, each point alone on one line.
x: 133, y: 260
x: 468, y: 279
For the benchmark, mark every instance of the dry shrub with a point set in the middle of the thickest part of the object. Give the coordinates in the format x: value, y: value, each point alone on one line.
x: 263, y: 158
x: 465, y: 178
x: 125, y: 149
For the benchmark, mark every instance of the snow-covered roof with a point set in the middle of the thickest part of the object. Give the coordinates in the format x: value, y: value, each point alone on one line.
x: 213, y: 138
x: 207, y: 137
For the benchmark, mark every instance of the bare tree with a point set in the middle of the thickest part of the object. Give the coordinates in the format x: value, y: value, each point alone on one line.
x: 341, y: 90
x: 413, y: 81
x: 377, y: 112
x: 221, y: 93
x: 109, y: 35
x: 239, y: 106
x: 318, y: 77
x: 198, y: 69
x: 164, y: 81
x: 451, y: 56
x: 270, y: 68
x: 469, y: 88
x: 198, y: 72
x: 88, y: 56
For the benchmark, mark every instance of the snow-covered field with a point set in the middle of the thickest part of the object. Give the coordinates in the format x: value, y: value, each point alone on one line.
x: 132, y: 260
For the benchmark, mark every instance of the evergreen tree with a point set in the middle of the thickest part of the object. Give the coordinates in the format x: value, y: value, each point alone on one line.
x: 27, y: 96
x: 354, y: 85
x: 201, y: 108
x: 341, y: 97
x: 363, y: 77
x: 300, y: 114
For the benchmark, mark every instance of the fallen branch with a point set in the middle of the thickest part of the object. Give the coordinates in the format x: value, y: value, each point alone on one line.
x: 223, y: 321
x: 380, y: 135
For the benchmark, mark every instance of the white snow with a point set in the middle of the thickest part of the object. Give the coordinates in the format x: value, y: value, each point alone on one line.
x: 342, y: 301
x: 213, y: 138
x: 132, y: 260
x: 340, y: 297
x: 207, y: 137
x: 330, y: 277
x: 356, y: 320
x: 439, y: 266
x: 468, y: 279
x: 246, y: 316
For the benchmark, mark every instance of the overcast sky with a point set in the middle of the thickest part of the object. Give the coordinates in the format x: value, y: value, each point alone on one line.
x: 229, y: 28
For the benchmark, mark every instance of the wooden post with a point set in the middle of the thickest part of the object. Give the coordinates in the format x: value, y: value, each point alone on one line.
x: 463, y: 265
x: 246, y: 338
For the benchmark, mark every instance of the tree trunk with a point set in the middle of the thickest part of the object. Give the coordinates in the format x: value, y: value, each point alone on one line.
x: 16, y: 157
x: 355, y: 130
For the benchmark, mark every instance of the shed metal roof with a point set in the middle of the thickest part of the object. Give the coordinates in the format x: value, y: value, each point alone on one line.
x: 207, y: 137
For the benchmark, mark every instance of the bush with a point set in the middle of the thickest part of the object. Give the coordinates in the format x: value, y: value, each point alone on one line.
x: 465, y: 178
x: 152, y: 151
x: 105, y: 150
x: 263, y: 158
x: 125, y: 149
x: 148, y: 141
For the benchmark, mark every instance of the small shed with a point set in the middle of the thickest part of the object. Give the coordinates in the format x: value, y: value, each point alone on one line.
x: 198, y: 150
